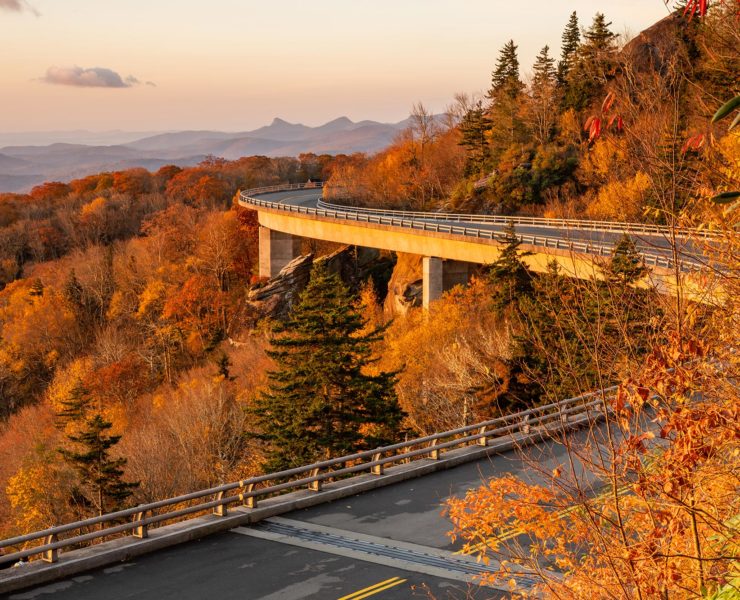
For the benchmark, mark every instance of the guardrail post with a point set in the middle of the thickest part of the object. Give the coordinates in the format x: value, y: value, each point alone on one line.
x: 524, y: 427
x: 50, y: 556
x: 377, y: 469
x: 141, y: 531
x: 315, y: 485
x: 482, y: 441
x: 221, y: 510
x: 434, y: 454
x: 249, y: 501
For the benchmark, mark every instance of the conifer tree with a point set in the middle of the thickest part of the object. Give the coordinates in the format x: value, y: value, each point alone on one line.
x: 571, y: 40
x: 506, y: 88
x: 544, y: 69
x: 626, y: 265
x: 102, y: 486
x: 505, y: 77
x: 543, y: 113
x: 321, y: 402
x: 474, y: 127
x: 593, y: 65
x: 509, y: 276
x: 598, y: 38
x: 512, y: 285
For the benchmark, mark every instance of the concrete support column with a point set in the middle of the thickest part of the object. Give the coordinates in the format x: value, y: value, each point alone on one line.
x: 277, y: 249
x: 442, y: 275
x: 455, y: 272
x: 433, y: 286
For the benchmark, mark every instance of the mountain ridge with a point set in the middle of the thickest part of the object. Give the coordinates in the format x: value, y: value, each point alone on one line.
x: 26, y: 165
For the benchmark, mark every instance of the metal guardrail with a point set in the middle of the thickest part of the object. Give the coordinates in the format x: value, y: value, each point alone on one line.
x: 136, y: 521
x: 249, y: 198
x: 578, y: 224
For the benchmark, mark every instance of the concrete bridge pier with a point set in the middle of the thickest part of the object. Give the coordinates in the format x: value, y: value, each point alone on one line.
x: 277, y: 249
x: 442, y: 275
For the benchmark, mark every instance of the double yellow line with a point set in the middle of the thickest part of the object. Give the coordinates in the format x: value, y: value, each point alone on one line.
x: 508, y: 534
x: 374, y: 589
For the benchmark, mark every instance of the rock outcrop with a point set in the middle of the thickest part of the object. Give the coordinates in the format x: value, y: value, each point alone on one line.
x: 275, y: 297
x: 654, y: 47
x: 405, y: 288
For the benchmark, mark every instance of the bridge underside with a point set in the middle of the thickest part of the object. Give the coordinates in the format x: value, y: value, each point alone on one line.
x: 448, y: 258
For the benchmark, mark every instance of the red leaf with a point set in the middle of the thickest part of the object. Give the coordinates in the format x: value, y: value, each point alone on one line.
x: 608, y: 102
x: 694, y: 143
x: 587, y: 124
x: 595, y: 130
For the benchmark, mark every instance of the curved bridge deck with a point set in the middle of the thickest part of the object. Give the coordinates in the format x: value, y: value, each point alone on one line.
x: 443, y: 239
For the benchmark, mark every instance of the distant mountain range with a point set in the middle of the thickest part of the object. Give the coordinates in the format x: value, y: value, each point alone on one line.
x: 23, y: 166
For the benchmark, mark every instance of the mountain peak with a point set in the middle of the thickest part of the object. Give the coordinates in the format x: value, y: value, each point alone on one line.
x: 341, y: 121
x: 277, y: 121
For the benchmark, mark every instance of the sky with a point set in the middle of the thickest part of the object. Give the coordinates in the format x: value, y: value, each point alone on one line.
x: 234, y: 65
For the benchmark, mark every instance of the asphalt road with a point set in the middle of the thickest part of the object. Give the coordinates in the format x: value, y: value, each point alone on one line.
x: 650, y: 243
x: 239, y: 565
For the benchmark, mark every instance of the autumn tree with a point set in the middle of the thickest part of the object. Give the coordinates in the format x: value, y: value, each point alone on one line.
x: 322, y: 401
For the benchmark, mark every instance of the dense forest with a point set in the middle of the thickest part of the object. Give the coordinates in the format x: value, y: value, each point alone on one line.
x: 126, y: 335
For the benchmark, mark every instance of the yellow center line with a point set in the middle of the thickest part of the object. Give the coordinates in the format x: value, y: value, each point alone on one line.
x: 508, y: 534
x: 374, y: 589
x: 387, y: 587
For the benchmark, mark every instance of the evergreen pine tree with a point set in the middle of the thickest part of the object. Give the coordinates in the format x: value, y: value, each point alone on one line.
x: 626, y: 265
x: 101, y: 477
x: 544, y: 94
x: 321, y: 402
x: 223, y: 363
x: 544, y: 69
x: 512, y: 285
x: 509, y: 276
x: 593, y: 65
x: 474, y: 127
x: 506, y: 88
x: 505, y: 77
x: 571, y: 40
x: 598, y: 38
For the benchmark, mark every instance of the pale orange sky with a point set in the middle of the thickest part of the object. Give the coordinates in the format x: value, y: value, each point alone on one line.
x: 236, y: 64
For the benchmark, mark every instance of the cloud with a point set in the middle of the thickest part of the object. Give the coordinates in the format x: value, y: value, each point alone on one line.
x: 94, y: 77
x: 17, y: 6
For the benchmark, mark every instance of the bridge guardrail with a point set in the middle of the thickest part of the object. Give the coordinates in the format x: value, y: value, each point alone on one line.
x: 249, y: 197
x: 583, y: 224
x: 136, y: 520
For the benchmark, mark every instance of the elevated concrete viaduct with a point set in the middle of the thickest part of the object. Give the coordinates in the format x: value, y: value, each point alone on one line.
x: 452, y: 244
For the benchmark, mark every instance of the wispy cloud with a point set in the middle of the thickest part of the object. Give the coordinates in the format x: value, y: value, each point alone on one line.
x: 93, y: 77
x: 17, y: 6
